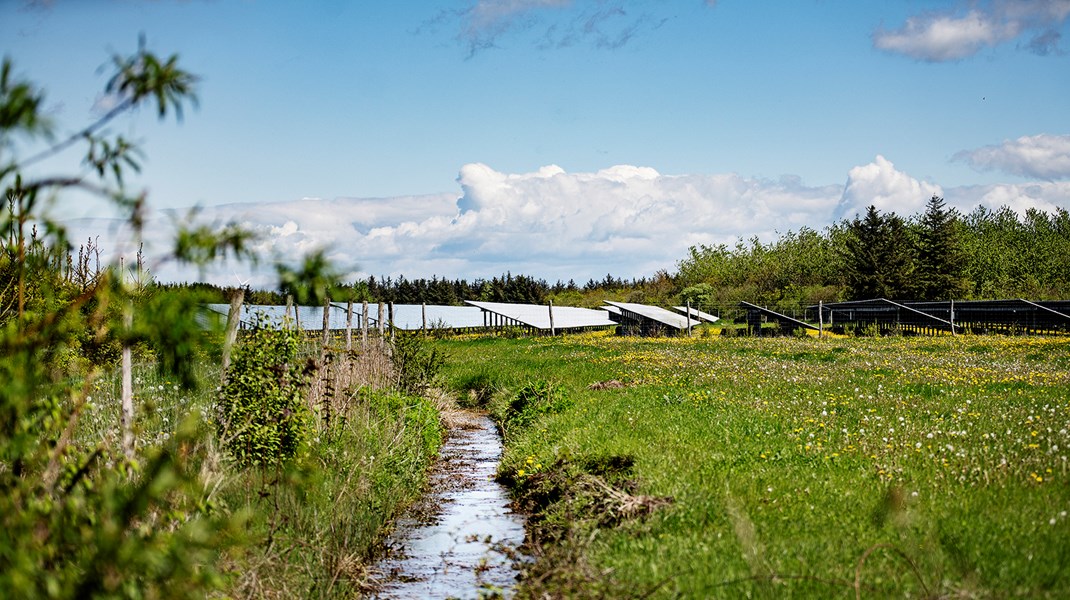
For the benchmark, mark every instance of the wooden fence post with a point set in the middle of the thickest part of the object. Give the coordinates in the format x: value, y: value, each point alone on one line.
x: 364, y: 326
x: 551, y: 307
x: 382, y: 324
x: 326, y: 340
x: 233, y: 322
x: 820, y: 319
x: 349, y: 326
x: 951, y: 317
x: 127, y: 417
x: 688, y: 318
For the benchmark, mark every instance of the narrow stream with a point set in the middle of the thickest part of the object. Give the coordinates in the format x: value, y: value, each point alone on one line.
x: 458, y: 541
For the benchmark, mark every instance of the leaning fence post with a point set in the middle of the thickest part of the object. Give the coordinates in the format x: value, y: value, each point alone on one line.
x: 233, y: 321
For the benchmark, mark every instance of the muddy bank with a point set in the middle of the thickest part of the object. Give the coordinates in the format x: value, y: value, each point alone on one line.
x: 459, y: 541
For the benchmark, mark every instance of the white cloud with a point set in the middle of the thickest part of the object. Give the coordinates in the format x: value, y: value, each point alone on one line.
x: 1046, y: 196
x: 956, y: 34
x: 626, y: 220
x: 882, y: 185
x: 1042, y: 156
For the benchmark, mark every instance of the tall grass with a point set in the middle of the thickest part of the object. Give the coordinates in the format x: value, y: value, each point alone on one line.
x: 795, y: 467
x: 313, y: 526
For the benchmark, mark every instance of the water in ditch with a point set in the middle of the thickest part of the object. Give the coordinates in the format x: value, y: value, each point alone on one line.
x: 461, y: 540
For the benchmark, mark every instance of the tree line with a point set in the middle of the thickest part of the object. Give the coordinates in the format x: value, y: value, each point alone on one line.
x: 938, y: 254
x: 510, y: 288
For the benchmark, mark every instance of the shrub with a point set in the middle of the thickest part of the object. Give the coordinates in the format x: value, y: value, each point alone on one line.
x: 261, y: 417
x: 416, y: 363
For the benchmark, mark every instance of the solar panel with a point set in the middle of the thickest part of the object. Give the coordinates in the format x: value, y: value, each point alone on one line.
x: 698, y: 314
x: 655, y: 313
x: 309, y: 317
x: 410, y: 317
x: 538, y: 316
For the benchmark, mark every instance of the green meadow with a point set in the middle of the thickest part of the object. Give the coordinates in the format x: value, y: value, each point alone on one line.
x: 785, y: 467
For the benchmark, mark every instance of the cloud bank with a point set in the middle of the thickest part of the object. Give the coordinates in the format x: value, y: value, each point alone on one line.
x: 972, y: 26
x: 1038, y: 157
x: 630, y: 221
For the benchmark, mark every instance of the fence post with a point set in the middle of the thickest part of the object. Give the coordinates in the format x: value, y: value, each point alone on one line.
x: 364, y: 326
x: 326, y: 329
x: 289, y: 306
x: 382, y: 324
x: 349, y: 326
x: 390, y: 307
x: 127, y: 417
x: 233, y: 321
x: 820, y: 319
x: 689, y: 318
x: 551, y: 308
x: 423, y: 317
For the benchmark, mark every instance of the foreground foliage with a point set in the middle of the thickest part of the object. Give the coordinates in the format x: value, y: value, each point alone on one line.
x: 80, y: 515
x: 290, y: 495
x: 262, y: 415
x: 720, y: 467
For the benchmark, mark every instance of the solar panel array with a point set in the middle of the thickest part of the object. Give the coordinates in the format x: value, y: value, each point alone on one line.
x: 414, y: 317
x: 407, y: 317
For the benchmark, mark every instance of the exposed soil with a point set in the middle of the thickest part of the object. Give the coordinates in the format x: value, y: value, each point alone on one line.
x: 460, y: 540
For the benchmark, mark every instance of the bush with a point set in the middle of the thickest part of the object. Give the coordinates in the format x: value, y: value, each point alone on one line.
x: 416, y: 362
x: 261, y: 417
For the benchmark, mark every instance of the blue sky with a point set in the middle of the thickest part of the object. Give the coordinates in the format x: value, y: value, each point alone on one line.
x: 567, y: 138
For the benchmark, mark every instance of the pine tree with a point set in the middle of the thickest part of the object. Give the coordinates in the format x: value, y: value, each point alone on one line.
x: 941, y: 254
x: 879, y: 261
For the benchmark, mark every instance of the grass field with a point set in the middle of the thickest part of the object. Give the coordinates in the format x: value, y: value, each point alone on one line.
x: 907, y: 467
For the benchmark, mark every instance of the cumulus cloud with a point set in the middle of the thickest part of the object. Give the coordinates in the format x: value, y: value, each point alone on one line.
x: 882, y: 185
x: 627, y: 220
x: 962, y: 32
x: 1041, y: 156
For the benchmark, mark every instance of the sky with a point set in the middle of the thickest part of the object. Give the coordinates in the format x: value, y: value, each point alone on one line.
x: 562, y: 139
